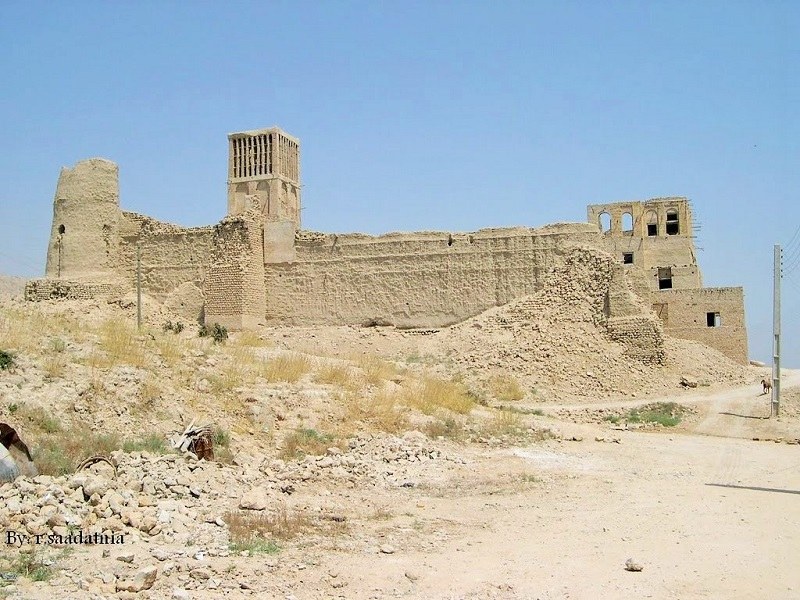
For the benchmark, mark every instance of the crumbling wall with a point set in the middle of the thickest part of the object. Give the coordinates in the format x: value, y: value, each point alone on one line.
x: 691, y: 315
x: 171, y: 255
x: 234, y: 285
x: 37, y: 290
x: 426, y: 279
x: 586, y: 298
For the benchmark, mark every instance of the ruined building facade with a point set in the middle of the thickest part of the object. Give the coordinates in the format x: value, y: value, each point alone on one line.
x: 257, y: 266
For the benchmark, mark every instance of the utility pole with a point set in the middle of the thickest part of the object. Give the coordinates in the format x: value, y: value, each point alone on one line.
x: 138, y: 286
x: 776, y: 334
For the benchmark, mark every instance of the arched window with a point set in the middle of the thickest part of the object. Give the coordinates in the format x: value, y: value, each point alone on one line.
x: 61, y: 229
x: 652, y: 223
x: 604, y: 222
x: 673, y: 226
x: 627, y: 223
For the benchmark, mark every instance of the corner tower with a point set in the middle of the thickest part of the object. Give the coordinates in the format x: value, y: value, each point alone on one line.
x: 84, y: 240
x: 264, y: 172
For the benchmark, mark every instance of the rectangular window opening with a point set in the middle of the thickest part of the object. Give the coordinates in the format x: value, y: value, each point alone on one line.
x: 627, y: 258
x: 665, y: 278
x: 713, y: 319
x: 672, y: 228
x: 652, y: 229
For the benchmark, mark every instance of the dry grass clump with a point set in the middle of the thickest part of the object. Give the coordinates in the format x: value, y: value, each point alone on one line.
x: 286, y: 367
x: 383, y: 410
x: 23, y: 328
x: 169, y: 348
x: 36, y: 418
x: 121, y: 345
x: 54, y: 366
x: 446, y: 427
x: 256, y: 532
x: 61, y: 452
x: 430, y: 394
x: 506, y: 388
x: 239, y: 369
x: 504, y: 422
x: 335, y: 374
x: 303, y: 442
x: 375, y: 370
x: 250, y: 339
x: 281, y: 524
x: 150, y: 391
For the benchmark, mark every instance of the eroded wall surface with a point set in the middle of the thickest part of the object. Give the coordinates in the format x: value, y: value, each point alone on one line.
x: 414, y: 280
x: 170, y: 255
x: 692, y: 315
x: 234, y: 286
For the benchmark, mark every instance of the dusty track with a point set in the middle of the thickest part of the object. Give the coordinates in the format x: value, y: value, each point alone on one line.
x: 707, y: 513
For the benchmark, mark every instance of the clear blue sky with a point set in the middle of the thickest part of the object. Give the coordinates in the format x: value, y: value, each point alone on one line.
x: 421, y: 115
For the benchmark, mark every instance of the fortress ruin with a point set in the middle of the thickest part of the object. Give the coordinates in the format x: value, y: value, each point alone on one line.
x: 258, y: 266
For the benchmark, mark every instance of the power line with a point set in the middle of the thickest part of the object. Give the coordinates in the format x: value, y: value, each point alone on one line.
x: 792, y: 241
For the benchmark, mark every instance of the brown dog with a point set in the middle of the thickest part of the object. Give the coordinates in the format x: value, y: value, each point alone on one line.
x: 767, y: 385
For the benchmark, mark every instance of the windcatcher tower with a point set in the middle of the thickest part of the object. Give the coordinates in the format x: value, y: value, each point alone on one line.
x: 264, y: 173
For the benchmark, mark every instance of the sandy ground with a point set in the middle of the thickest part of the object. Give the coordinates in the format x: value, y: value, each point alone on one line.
x: 709, y: 509
x: 707, y: 513
x: 705, y: 510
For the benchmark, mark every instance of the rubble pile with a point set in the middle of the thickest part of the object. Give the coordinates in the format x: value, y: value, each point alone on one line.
x: 372, y: 459
x: 561, y: 344
x: 167, y: 495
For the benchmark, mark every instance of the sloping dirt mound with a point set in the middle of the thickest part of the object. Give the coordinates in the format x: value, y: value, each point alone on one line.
x: 564, y: 341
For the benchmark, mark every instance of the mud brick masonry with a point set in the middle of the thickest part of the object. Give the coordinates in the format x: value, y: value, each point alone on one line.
x: 257, y: 266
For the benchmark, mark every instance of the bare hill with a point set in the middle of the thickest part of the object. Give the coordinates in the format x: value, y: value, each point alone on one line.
x: 11, y: 287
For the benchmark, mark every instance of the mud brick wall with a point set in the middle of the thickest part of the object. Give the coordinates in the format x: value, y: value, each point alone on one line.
x: 171, y: 255
x: 684, y: 314
x: 234, y: 286
x: 641, y: 335
x: 51, y: 289
x: 413, y: 280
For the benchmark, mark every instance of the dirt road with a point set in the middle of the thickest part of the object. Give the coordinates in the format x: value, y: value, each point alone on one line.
x: 707, y: 516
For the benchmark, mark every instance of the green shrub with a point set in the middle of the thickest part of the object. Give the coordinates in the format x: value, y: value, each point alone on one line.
x: 176, y: 327
x: 222, y: 438
x: 217, y: 332
x: 666, y: 414
x: 6, y: 360
x: 152, y: 443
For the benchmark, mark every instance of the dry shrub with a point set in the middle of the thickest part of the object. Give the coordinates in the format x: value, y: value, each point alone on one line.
x: 506, y: 388
x: 383, y: 410
x: 250, y: 339
x: 376, y: 371
x: 121, y: 344
x: 169, y: 347
x: 54, y: 366
x: 286, y: 367
x: 334, y: 374
x: 430, y: 394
